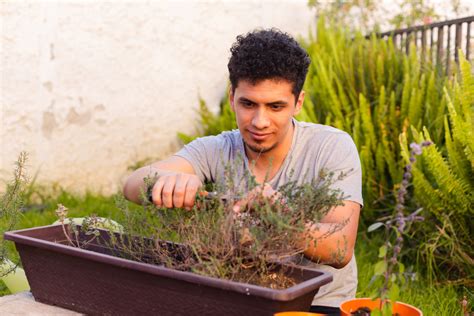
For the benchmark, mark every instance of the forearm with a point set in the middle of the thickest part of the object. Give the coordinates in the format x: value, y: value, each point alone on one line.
x: 176, y: 183
x: 325, y: 243
x: 135, y: 184
x: 332, y: 240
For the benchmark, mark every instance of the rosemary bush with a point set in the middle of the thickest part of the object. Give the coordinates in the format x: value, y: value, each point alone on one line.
x: 10, y: 204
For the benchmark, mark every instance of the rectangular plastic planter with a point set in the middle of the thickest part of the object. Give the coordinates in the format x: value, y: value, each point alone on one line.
x: 94, y: 282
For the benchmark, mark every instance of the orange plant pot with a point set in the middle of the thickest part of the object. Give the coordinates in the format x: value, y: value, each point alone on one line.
x: 401, y: 308
x: 298, y: 314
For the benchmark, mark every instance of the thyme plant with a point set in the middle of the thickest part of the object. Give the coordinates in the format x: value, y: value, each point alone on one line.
x: 222, y: 238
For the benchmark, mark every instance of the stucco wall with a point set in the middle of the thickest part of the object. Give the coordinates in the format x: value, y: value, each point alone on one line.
x: 89, y: 88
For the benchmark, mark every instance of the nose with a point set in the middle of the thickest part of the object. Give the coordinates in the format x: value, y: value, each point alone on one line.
x: 260, y: 119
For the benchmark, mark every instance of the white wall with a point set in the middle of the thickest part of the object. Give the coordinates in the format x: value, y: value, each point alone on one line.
x: 88, y: 88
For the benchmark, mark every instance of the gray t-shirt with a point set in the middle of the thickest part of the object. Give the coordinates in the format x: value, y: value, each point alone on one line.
x: 314, y: 148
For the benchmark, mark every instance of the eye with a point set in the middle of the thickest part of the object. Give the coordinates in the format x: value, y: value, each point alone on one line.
x: 276, y: 107
x: 246, y: 104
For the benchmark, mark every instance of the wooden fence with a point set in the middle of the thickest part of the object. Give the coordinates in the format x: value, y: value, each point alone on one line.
x: 439, y: 42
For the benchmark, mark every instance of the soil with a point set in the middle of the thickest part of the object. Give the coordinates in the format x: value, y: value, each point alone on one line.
x: 362, y: 311
x: 365, y: 311
x: 272, y: 280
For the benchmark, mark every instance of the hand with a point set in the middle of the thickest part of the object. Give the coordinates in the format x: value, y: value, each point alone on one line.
x: 175, y: 189
x: 262, y: 191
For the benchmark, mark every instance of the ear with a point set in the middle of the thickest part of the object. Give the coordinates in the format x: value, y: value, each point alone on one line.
x: 231, y: 99
x: 299, y: 103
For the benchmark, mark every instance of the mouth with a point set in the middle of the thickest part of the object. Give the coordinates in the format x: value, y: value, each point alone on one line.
x: 259, y: 136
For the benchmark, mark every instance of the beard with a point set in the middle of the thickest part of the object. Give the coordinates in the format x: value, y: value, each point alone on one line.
x: 258, y: 149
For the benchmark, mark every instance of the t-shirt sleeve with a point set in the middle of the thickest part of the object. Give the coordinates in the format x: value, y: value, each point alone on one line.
x: 343, y: 157
x: 201, y: 153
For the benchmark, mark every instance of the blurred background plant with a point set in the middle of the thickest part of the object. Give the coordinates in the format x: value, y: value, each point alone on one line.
x: 369, y: 16
x: 11, y: 203
x: 389, y: 271
x: 444, y: 186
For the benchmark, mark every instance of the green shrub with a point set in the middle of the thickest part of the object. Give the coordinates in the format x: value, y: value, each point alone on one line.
x: 374, y: 92
x: 444, y: 186
x: 210, y: 123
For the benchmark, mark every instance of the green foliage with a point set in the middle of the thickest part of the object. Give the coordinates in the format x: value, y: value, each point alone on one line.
x: 374, y: 92
x: 369, y: 15
x: 436, y: 300
x: 210, y: 123
x: 219, y: 238
x: 10, y: 209
x: 444, y: 185
x: 442, y: 300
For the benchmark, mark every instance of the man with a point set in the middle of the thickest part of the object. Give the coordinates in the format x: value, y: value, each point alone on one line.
x: 267, y: 72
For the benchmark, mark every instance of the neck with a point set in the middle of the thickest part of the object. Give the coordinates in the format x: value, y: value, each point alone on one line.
x: 267, y: 164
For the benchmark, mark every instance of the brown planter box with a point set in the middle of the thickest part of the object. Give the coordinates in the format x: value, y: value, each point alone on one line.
x: 94, y: 282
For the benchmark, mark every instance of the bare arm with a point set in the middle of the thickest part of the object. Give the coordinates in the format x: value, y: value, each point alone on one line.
x: 332, y: 240
x: 176, y: 183
x: 334, y: 248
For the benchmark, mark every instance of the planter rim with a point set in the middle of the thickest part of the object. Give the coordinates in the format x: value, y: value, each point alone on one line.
x: 287, y: 294
x: 366, y: 299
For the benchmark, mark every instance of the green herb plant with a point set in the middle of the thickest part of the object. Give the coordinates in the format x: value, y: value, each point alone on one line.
x: 245, y: 241
x: 390, y: 269
x: 11, y: 203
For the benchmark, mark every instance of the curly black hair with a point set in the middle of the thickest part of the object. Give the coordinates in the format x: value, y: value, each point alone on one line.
x: 268, y: 54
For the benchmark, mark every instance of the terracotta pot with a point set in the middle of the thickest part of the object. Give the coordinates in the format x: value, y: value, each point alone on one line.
x: 401, y: 308
x: 298, y: 314
x: 94, y: 282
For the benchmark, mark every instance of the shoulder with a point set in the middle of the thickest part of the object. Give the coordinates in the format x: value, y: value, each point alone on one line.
x: 322, y: 135
x: 224, y: 139
x: 224, y: 143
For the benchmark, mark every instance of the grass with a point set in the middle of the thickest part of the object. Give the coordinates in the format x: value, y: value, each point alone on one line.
x: 431, y: 299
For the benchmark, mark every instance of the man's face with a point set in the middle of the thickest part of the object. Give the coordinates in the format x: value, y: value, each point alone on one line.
x: 264, y: 113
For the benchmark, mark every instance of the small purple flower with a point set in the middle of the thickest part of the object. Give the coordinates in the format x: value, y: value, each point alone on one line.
x: 416, y: 149
x: 399, y: 220
x: 396, y: 250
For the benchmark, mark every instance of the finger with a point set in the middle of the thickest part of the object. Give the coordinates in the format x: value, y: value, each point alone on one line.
x: 236, y: 208
x: 156, y: 191
x: 179, y: 190
x: 191, y: 191
x: 167, y: 193
x: 267, y: 190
